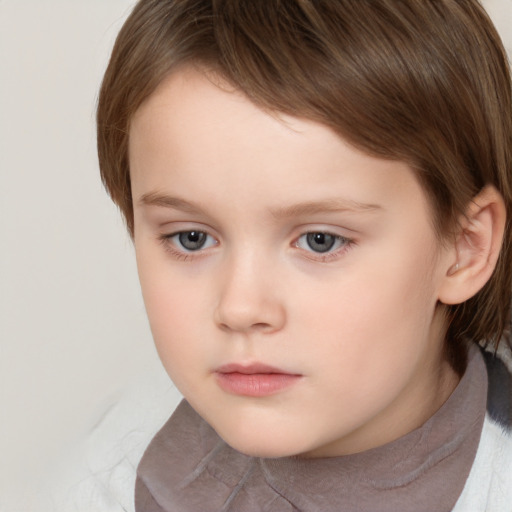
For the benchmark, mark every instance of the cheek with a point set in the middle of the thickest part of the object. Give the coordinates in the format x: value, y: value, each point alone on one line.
x: 366, y: 352
x: 178, y: 329
x: 173, y: 307
x: 376, y: 321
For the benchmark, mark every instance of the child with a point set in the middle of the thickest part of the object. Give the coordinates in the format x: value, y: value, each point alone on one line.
x: 319, y: 194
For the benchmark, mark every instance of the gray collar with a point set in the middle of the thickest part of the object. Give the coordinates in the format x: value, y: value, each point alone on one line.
x: 187, y: 467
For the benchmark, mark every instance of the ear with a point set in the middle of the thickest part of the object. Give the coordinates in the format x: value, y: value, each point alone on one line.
x: 472, y: 259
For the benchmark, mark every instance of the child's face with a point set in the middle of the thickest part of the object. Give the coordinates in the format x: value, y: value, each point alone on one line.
x: 296, y: 252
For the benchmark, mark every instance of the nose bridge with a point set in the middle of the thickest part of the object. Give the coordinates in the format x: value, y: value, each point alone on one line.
x: 248, y: 298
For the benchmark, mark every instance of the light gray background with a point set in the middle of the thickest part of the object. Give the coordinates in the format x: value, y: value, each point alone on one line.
x: 73, y: 331
x: 72, y: 324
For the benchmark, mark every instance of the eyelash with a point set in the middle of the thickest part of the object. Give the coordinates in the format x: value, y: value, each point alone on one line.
x: 186, y: 255
x: 181, y: 254
x: 329, y: 255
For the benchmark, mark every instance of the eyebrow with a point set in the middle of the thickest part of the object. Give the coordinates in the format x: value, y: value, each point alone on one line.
x: 166, y: 201
x: 333, y: 205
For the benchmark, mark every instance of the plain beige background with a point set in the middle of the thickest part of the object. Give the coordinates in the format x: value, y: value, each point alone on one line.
x: 73, y: 332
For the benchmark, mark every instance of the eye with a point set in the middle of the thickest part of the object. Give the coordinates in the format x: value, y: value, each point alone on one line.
x: 321, y: 242
x: 190, y: 241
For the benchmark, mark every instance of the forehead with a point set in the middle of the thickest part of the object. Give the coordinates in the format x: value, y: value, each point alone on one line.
x: 193, y: 103
x: 197, y: 133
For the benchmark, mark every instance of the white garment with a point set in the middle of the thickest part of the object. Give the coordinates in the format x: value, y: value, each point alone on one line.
x: 101, y: 478
x: 489, y: 484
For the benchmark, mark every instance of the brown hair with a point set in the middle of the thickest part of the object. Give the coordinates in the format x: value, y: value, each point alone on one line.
x: 421, y: 81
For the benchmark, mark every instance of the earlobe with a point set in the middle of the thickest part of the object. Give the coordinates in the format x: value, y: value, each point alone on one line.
x: 476, y: 247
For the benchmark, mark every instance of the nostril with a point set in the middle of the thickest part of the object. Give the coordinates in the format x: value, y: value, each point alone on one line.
x: 259, y: 326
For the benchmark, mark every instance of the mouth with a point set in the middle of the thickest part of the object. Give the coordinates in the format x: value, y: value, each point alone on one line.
x: 254, y: 380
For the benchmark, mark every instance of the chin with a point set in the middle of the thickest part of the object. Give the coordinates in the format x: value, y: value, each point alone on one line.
x: 268, y: 445
x: 264, y: 451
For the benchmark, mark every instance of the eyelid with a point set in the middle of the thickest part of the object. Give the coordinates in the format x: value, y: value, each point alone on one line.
x: 180, y: 252
x: 185, y: 249
x: 338, y: 239
x: 330, y: 255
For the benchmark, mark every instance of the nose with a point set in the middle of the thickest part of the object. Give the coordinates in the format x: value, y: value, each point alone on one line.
x: 249, y: 300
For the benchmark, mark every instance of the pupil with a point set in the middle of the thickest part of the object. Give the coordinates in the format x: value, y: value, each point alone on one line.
x: 192, y: 240
x: 320, y: 242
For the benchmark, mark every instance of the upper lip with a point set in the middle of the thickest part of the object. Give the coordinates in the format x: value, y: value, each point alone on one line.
x: 249, y: 369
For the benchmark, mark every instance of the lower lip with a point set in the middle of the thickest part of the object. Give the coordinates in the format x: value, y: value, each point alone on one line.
x: 255, y: 384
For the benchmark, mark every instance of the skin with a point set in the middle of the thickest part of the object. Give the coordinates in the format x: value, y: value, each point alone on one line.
x: 360, y: 323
